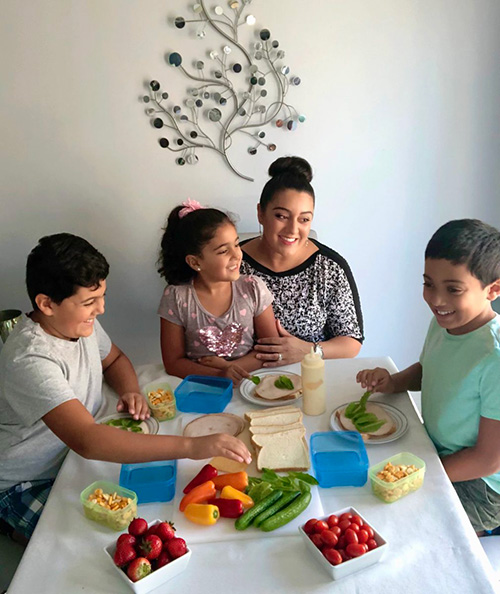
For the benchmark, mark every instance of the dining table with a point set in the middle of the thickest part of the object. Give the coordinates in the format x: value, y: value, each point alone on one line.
x: 432, y: 547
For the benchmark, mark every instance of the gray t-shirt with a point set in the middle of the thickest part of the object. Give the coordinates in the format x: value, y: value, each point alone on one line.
x: 37, y: 373
x: 230, y: 335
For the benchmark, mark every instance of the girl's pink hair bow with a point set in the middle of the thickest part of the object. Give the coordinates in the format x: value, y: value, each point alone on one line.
x: 189, y: 206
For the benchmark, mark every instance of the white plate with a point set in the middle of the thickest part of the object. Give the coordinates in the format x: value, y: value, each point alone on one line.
x: 399, y: 418
x: 247, y: 390
x: 149, y: 426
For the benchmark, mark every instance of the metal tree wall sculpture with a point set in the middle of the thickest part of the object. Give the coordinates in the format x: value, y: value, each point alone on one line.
x: 230, y: 97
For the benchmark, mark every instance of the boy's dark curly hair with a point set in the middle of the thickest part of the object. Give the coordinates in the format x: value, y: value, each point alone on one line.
x: 470, y: 242
x: 62, y: 263
x: 186, y: 236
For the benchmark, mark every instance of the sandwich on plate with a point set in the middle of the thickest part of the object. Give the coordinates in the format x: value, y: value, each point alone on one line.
x: 279, y: 387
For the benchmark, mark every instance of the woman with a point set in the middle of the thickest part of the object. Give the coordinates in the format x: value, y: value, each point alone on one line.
x: 316, y: 301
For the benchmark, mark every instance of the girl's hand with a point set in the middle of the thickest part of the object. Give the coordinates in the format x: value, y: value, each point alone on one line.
x: 235, y: 372
x: 376, y: 380
x: 219, y: 445
x: 214, y: 361
x: 283, y: 350
x: 135, y: 404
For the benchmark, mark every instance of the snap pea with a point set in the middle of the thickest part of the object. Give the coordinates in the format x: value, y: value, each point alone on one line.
x: 287, y: 514
x: 246, y: 519
x: 285, y: 499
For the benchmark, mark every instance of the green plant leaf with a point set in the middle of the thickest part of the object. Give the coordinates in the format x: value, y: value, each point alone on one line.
x: 284, y: 383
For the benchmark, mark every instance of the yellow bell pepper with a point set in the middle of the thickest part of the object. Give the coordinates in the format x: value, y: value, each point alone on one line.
x: 202, y: 513
x: 229, y: 492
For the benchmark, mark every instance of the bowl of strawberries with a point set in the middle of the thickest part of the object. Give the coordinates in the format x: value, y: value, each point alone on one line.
x: 148, y: 555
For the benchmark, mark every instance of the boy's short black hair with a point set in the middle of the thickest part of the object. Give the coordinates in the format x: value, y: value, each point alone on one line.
x: 62, y: 263
x: 470, y: 242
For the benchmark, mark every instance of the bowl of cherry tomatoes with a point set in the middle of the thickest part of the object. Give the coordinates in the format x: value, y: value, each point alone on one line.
x: 343, y: 542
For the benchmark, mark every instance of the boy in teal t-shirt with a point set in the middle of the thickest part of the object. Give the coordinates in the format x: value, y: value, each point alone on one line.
x: 459, y: 368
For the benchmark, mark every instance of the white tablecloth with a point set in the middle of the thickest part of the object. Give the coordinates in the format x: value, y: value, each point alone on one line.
x: 432, y: 546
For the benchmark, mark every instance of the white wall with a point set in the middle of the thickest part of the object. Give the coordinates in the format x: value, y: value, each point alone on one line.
x: 402, y: 99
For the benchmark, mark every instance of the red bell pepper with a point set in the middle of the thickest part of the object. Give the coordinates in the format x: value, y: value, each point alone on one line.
x: 228, y: 508
x: 207, y: 473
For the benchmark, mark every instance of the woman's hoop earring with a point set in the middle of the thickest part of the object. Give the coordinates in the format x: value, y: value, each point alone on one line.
x: 260, y: 232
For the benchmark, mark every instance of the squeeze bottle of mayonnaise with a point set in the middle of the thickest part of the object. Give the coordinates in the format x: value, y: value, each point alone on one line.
x: 313, y: 384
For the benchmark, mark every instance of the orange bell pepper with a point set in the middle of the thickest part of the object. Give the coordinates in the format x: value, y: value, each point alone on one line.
x: 199, y: 494
x: 238, y: 480
x: 202, y: 513
x: 229, y: 492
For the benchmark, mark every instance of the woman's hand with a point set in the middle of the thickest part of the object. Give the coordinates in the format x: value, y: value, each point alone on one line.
x: 283, y: 350
x: 376, y: 380
x: 135, y: 404
x: 219, y: 445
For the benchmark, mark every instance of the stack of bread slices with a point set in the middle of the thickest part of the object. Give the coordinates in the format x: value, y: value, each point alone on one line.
x: 278, y: 436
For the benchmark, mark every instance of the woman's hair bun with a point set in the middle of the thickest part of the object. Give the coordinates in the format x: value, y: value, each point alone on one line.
x: 296, y: 166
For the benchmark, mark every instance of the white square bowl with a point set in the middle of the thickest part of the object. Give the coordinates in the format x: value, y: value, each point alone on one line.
x: 352, y: 565
x: 156, y: 578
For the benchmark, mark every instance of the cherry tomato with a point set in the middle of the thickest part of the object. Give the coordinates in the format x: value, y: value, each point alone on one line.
x: 345, y: 516
x: 371, y: 544
x: 344, y: 524
x: 365, y: 546
x: 354, y: 527
x: 336, y: 530
x: 341, y: 543
x: 309, y: 526
x: 355, y: 550
x: 332, y: 555
x: 317, y: 541
x: 343, y: 554
x: 357, y: 520
x: 329, y: 538
x: 369, y: 530
x: 363, y: 536
x: 332, y: 520
x: 320, y: 526
x: 351, y: 537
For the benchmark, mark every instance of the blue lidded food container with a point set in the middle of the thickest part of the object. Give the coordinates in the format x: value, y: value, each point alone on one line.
x: 203, y: 394
x: 339, y: 459
x: 152, y: 481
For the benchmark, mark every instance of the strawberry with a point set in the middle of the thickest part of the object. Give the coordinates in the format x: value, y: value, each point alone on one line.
x: 126, y: 538
x: 151, y: 530
x: 124, y: 554
x: 138, y: 569
x: 165, y: 530
x: 138, y: 527
x: 151, y: 546
x: 163, y: 559
x: 176, y: 547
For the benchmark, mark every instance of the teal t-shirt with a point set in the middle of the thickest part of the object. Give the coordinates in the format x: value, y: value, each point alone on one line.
x: 460, y: 384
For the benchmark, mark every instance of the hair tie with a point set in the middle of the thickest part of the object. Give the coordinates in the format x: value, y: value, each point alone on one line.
x: 189, y: 206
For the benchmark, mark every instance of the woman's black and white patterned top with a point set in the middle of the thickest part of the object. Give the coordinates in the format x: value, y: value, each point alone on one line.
x: 316, y: 300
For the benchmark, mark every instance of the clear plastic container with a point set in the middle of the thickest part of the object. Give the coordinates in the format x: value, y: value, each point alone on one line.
x: 339, y: 458
x: 152, y: 481
x: 203, y: 394
x: 116, y: 519
x: 161, y: 400
x: 389, y: 492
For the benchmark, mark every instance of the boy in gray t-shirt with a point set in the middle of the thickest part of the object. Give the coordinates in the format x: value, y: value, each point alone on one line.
x: 51, y: 371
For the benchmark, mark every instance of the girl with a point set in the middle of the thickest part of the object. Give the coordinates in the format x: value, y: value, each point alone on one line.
x: 209, y: 313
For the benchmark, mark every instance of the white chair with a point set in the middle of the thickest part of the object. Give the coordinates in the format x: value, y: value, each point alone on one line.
x: 491, y: 546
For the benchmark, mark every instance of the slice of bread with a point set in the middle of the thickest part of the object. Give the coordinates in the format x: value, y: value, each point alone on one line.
x: 285, y: 418
x: 253, y: 414
x: 282, y: 451
x: 254, y: 429
x: 268, y: 391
